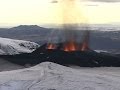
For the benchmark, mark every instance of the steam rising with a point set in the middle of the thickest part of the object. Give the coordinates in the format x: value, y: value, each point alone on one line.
x: 71, y: 12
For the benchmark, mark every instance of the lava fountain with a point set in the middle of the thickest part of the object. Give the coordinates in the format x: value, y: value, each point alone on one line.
x: 71, y: 44
x: 71, y: 15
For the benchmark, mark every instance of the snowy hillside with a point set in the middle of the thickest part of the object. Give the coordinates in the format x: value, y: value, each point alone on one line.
x: 50, y: 76
x: 11, y: 46
x: 8, y: 66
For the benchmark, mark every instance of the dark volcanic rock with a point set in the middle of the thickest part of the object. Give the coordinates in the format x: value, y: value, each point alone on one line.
x: 81, y: 58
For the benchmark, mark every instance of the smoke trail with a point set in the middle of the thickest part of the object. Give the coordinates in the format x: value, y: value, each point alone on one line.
x: 71, y: 13
x: 70, y: 36
x: 71, y: 16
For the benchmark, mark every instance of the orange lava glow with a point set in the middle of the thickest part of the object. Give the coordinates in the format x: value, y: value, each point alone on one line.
x: 70, y: 46
x: 73, y: 46
x: 51, y: 46
x: 84, y: 46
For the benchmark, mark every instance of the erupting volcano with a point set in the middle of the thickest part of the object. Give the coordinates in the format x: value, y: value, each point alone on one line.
x: 71, y: 45
x: 71, y: 15
x: 71, y: 41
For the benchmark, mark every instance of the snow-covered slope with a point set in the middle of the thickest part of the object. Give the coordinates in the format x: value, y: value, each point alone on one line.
x: 8, y: 66
x: 11, y: 46
x: 50, y: 76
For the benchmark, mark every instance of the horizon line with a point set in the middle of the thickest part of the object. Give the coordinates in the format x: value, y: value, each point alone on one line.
x: 49, y: 25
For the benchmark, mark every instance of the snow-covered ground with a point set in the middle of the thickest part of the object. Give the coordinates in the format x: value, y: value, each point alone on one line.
x: 51, y: 76
x: 11, y: 46
x: 8, y: 66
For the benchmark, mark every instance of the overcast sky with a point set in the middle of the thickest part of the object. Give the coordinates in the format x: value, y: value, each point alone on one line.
x: 15, y: 12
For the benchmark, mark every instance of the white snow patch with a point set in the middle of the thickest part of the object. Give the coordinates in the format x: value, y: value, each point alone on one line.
x: 11, y: 46
x: 99, y: 51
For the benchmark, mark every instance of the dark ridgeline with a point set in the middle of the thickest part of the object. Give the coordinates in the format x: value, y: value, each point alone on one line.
x: 81, y: 58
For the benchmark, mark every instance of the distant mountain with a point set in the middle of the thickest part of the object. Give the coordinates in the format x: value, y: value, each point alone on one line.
x: 27, y: 27
x: 10, y: 46
x: 25, y: 32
